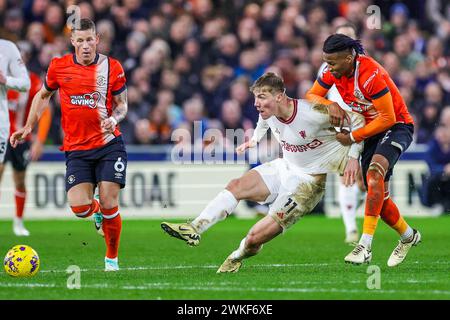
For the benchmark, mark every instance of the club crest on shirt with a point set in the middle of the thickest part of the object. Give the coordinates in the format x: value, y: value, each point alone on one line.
x: 101, y: 80
x: 86, y: 100
x: 302, y: 133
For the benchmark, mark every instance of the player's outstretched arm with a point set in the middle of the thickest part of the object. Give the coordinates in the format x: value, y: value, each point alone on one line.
x: 246, y: 145
x: 119, y: 112
x: 261, y: 128
x: 39, y: 103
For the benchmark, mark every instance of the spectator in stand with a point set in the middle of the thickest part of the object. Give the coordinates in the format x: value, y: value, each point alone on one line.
x: 239, y: 92
x: 154, y: 130
x: 170, y: 45
x: 436, y: 187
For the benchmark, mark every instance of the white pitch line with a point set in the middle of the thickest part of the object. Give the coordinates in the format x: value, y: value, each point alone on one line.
x: 172, y: 287
x: 200, y: 267
x: 27, y: 285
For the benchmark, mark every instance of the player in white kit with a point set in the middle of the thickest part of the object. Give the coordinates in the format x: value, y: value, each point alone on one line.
x: 292, y: 185
x: 13, y: 75
x: 347, y: 195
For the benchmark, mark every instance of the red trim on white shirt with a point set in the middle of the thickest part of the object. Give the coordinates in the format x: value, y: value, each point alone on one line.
x: 292, y: 117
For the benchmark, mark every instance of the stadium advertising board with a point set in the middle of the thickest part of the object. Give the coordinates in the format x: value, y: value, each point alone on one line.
x: 163, y: 189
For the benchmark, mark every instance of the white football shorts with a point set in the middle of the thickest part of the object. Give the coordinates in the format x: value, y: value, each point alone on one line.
x: 293, y: 193
x: 4, y: 136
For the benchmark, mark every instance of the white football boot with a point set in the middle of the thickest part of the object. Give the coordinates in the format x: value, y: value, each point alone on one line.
x: 359, y: 255
x: 230, y: 265
x: 401, y: 250
x: 111, y: 264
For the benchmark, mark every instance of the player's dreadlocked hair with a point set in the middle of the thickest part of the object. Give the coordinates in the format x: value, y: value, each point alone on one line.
x: 269, y: 81
x: 340, y: 42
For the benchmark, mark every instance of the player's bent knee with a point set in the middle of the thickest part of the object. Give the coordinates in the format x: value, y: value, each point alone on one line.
x: 375, y: 169
x: 234, y: 186
x: 107, y: 201
x: 82, y: 211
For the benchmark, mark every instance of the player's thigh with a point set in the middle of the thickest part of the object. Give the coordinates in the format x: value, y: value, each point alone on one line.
x: 263, y: 231
x: 3, y: 143
x: 290, y: 206
x: 391, y: 146
x: 80, y: 194
x: 19, y: 156
x: 250, y: 186
x: 113, y: 166
x: 109, y: 194
x: 2, y: 169
x: 80, y: 181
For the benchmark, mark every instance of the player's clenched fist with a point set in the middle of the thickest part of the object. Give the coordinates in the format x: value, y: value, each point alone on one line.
x: 109, y: 125
x: 19, y: 136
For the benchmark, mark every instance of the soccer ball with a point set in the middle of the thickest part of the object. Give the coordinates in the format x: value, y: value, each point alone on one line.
x: 21, y: 261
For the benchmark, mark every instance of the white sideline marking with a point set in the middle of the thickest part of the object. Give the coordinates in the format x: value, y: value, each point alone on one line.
x: 201, y: 267
x: 172, y: 286
x: 275, y: 265
x: 28, y: 285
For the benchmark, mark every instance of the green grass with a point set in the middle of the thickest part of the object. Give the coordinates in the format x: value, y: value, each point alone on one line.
x: 304, y: 263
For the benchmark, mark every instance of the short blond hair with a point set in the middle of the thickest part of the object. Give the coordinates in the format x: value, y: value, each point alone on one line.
x: 269, y: 82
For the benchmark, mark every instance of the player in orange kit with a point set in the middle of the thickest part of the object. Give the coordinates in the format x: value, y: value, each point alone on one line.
x: 26, y: 151
x: 92, y: 89
x: 368, y: 89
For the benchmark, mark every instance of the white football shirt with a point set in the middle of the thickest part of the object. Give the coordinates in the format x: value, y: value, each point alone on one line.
x: 13, y: 68
x: 308, y: 140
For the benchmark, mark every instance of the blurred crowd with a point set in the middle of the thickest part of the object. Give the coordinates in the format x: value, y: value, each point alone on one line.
x: 194, y: 60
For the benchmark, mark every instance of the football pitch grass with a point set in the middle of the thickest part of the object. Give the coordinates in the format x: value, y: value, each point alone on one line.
x: 307, y: 262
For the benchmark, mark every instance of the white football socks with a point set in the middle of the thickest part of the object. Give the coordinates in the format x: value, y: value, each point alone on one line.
x: 407, y: 236
x: 366, y: 240
x: 348, y: 200
x: 217, y: 210
x: 241, y: 253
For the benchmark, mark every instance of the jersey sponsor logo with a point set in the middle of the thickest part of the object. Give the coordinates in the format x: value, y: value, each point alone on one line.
x: 86, y: 100
x: 301, y: 148
x: 370, y: 79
